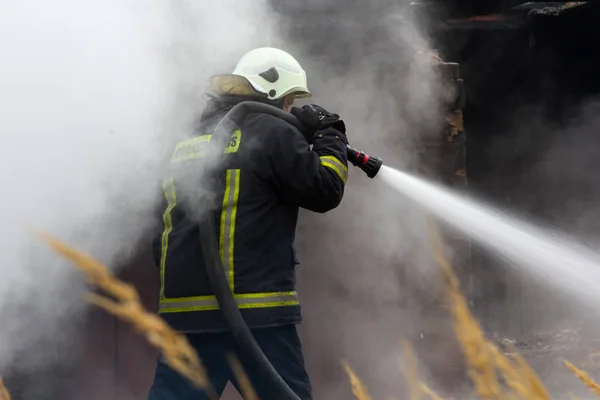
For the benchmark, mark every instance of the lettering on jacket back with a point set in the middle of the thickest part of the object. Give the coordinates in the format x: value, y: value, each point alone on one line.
x: 196, y: 147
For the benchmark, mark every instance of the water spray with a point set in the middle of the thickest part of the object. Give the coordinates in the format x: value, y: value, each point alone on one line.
x: 569, y: 266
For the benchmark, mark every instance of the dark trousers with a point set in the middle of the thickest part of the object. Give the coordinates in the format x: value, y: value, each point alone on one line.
x: 281, y: 346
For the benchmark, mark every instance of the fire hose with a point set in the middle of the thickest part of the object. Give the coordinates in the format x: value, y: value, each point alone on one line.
x: 216, y: 273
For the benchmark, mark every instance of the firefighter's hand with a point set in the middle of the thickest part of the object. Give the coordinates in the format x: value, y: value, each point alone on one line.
x: 329, y: 133
x: 315, y: 118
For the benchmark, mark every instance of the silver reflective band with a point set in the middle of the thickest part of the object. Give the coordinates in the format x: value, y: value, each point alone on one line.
x: 258, y: 300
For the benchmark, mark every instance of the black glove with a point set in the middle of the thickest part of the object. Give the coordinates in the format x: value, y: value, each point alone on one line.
x: 315, y: 118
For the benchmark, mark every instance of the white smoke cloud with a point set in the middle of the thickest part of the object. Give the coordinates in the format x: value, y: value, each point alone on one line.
x: 366, y: 266
x: 92, y: 95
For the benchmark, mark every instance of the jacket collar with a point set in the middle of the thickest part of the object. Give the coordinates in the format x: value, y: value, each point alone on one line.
x: 222, y: 104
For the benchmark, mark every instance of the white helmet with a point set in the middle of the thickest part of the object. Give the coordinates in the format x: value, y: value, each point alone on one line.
x: 269, y: 71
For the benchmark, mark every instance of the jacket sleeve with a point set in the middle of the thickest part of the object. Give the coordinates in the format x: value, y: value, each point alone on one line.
x: 312, y: 179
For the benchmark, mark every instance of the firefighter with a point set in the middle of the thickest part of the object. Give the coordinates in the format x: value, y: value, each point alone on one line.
x: 269, y: 172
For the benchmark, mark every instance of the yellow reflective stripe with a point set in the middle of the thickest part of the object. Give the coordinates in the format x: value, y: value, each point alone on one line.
x: 244, y: 301
x: 336, y: 161
x: 196, y: 147
x: 190, y: 149
x: 228, y: 216
x: 236, y: 195
x: 168, y: 223
x: 234, y: 142
x: 237, y: 296
x: 336, y: 165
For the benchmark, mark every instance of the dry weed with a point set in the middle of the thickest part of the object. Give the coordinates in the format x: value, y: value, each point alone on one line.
x: 536, y: 388
x: 246, y: 387
x: 358, y: 388
x: 4, y: 395
x: 584, y: 377
x: 484, y: 359
x: 411, y: 372
x: 427, y: 390
x: 175, y: 348
x: 480, y: 360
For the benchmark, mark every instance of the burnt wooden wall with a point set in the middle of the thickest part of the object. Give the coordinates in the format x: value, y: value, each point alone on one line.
x: 532, y: 101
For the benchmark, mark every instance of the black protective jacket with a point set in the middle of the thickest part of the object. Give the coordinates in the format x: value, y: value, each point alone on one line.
x: 269, y: 171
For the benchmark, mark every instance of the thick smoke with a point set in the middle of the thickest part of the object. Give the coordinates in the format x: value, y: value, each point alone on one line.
x: 365, y: 266
x: 93, y: 94
x: 80, y: 92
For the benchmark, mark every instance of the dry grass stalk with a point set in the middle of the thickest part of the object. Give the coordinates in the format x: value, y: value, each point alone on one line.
x: 480, y: 360
x: 536, y: 390
x: 427, y: 390
x: 483, y: 357
x: 246, y: 387
x: 358, y: 388
x: 519, y: 376
x: 411, y: 371
x: 584, y: 377
x: 4, y: 395
x: 512, y: 376
x: 175, y: 348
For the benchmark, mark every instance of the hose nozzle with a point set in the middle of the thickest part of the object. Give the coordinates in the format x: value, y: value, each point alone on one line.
x: 370, y: 165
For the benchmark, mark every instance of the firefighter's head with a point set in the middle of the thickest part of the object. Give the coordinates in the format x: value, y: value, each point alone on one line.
x: 267, y: 73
